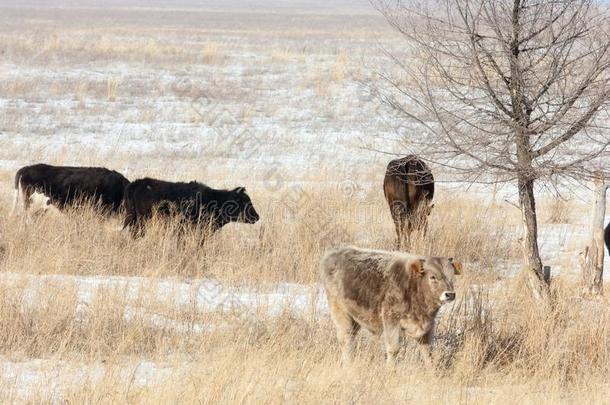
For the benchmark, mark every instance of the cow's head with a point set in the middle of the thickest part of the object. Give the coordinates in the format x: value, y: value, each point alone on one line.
x: 437, y: 276
x: 239, y: 207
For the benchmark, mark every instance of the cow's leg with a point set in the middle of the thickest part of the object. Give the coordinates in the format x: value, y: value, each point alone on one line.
x: 391, y: 338
x: 398, y: 216
x: 136, y: 225
x: 130, y: 222
x: 130, y: 219
x: 398, y: 226
x: 347, y: 329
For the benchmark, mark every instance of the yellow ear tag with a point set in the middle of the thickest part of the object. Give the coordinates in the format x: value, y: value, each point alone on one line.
x: 457, y: 267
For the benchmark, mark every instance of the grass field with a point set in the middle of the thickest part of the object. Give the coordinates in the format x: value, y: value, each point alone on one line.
x: 272, y: 98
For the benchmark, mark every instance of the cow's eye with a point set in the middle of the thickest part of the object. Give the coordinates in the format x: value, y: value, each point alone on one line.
x: 433, y: 278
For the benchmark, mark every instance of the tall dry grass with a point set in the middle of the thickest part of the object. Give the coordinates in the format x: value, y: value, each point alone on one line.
x: 285, y: 246
x: 493, y: 345
x: 112, y: 87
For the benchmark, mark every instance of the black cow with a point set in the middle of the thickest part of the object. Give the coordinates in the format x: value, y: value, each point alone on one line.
x: 65, y: 186
x: 193, y: 203
x: 607, y: 237
x: 408, y: 187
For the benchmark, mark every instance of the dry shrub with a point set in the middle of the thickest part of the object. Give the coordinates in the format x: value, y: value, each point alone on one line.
x: 338, y: 69
x: 317, y: 79
x: 556, y: 211
x: 210, y: 54
x: 112, y: 87
x: 282, y: 55
x: 503, y: 332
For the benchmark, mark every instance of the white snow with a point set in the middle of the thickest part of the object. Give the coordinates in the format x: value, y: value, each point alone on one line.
x: 49, y: 378
x: 204, y: 296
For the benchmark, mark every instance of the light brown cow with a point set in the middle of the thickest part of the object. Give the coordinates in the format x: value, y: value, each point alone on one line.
x: 388, y: 293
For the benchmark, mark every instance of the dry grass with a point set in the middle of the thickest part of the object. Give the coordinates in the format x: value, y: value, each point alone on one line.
x: 112, y: 87
x: 557, y: 211
x: 338, y: 69
x: 211, y: 54
x: 491, y: 345
x: 285, y: 246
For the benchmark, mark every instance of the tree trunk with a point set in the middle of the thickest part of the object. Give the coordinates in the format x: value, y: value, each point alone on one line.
x: 592, y: 259
x: 532, y: 262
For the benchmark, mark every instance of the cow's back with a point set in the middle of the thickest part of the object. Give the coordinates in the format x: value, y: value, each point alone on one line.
x: 355, y: 278
x: 33, y: 175
x: 67, y: 184
x: 140, y: 196
x: 111, y: 188
x: 146, y: 195
x: 160, y: 190
x: 408, y: 181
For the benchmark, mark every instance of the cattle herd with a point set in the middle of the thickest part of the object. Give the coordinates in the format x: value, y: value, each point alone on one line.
x: 389, y: 293
x: 192, y: 203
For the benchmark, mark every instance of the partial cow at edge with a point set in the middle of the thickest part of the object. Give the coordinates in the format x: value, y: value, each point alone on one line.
x: 388, y: 293
x: 194, y: 203
x: 408, y: 187
x: 66, y: 186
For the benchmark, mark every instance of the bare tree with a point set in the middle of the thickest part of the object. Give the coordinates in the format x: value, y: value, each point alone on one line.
x: 504, y: 90
x: 592, y: 258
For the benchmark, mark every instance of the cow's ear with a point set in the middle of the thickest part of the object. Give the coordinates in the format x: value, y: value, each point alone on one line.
x: 240, y: 190
x: 417, y: 267
x: 457, y: 267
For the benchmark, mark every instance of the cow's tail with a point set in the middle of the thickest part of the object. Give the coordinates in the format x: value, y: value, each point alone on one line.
x: 16, y: 193
x: 413, y: 172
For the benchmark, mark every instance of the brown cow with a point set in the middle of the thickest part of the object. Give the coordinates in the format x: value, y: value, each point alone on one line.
x: 408, y: 187
x: 388, y: 293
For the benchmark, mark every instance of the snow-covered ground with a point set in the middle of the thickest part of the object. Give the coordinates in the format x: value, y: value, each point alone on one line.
x: 49, y: 379
x: 140, y: 294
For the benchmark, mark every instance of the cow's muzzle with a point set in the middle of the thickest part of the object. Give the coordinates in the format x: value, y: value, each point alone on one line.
x: 251, y: 216
x: 447, y: 296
